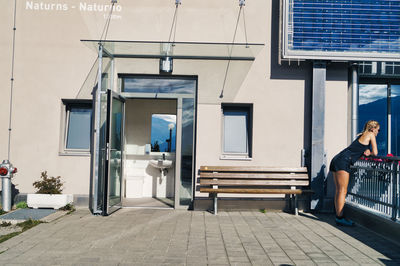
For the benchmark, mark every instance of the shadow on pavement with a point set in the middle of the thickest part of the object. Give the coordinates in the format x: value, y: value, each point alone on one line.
x: 379, y: 243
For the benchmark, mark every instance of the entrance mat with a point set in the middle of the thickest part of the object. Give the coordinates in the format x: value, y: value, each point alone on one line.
x: 26, y: 214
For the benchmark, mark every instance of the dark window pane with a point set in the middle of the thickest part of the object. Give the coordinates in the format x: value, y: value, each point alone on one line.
x: 187, y: 151
x: 395, y: 106
x: 373, y: 106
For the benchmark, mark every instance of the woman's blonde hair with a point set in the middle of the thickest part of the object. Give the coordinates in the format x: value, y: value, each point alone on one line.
x: 371, y: 124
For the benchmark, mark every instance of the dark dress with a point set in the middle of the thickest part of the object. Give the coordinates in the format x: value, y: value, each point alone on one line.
x: 347, y: 157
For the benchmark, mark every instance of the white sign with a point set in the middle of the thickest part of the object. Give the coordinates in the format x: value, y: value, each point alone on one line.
x: 81, y: 6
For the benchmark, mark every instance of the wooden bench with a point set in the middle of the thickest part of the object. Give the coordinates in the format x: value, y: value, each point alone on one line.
x: 253, y: 180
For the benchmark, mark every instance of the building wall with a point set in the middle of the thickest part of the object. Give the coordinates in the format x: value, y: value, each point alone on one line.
x: 52, y: 64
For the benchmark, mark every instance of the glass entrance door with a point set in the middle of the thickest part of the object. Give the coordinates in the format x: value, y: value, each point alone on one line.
x: 115, y: 110
x: 107, y: 148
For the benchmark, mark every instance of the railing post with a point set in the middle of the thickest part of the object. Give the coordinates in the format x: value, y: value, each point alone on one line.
x: 395, y: 182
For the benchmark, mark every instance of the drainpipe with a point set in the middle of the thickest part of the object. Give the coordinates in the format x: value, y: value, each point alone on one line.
x: 354, y: 102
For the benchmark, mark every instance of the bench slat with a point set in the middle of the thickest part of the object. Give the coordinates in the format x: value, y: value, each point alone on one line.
x: 251, y: 190
x: 253, y: 169
x: 254, y: 175
x: 232, y: 182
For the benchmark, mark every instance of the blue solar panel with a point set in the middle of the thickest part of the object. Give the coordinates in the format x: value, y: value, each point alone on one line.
x: 344, y: 26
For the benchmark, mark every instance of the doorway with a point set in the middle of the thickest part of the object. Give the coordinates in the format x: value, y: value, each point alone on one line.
x: 152, y: 171
x: 150, y: 153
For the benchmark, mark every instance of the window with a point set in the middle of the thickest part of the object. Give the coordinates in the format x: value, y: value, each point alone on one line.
x: 390, y: 68
x: 367, y: 68
x: 78, y: 115
x: 381, y: 102
x: 237, y: 130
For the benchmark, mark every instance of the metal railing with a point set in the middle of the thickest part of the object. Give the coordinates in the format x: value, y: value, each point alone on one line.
x: 374, y: 186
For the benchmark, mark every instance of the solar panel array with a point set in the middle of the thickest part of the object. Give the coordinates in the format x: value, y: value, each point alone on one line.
x: 344, y: 26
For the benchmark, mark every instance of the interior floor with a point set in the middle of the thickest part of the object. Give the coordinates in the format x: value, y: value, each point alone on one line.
x: 148, y: 202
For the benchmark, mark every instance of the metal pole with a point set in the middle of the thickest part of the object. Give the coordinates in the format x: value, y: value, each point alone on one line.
x: 318, y: 166
x: 354, y: 105
x: 170, y: 139
x: 394, y: 176
x: 6, y: 193
x: 389, y: 118
x: 12, y: 83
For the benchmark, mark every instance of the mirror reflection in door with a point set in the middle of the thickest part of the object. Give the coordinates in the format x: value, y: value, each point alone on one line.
x: 163, y: 133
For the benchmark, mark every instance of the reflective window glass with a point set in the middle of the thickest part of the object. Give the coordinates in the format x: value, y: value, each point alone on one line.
x: 236, y: 130
x: 140, y: 84
x: 187, y: 150
x: 78, y: 126
x: 373, y: 106
x: 395, y: 126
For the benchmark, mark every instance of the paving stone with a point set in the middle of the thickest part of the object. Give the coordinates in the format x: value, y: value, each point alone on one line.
x: 172, y: 237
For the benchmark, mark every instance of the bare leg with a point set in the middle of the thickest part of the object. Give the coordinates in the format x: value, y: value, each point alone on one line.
x: 341, y: 179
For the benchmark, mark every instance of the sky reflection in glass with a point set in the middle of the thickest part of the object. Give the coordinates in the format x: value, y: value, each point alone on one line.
x: 164, y: 85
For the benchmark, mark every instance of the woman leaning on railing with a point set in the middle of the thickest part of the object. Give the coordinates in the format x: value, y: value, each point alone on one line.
x: 342, y: 162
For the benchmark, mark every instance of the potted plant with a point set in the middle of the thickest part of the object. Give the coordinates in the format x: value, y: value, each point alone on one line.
x: 48, y: 193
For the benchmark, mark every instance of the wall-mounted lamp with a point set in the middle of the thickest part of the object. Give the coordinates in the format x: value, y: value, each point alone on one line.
x: 166, y: 64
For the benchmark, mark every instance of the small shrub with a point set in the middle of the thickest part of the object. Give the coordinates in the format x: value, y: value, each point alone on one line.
x: 2, y: 212
x: 21, y: 205
x: 69, y: 207
x: 5, y: 224
x: 263, y: 211
x: 48, y: 185
x: 28, y: 224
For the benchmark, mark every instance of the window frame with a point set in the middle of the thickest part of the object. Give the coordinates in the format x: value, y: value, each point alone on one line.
x: 66, y: 106
x: 248, y: 107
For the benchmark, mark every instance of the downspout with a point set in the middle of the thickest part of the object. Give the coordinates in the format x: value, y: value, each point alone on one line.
x: 354, y: 102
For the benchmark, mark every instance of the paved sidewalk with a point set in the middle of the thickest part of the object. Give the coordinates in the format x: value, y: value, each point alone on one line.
x: 179, y: 237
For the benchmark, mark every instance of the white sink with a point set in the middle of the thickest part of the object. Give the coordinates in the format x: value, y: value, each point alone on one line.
x: 161, y: 164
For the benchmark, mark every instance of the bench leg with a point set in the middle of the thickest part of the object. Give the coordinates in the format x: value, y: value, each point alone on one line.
x: 215, y: 204
x: 296, y: 208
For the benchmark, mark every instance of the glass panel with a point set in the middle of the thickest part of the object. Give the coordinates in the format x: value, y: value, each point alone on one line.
x: 163, y: 133
x: 78, y: 133
x: 99, y: 174
x: 115, y: 152
x: 187, y: 151
x: 395, y: 106
x: 364, y: 26
x: 102, y: 153
x: 105, y: 78
x: 158, y: 85
x: 192, y: 50
x: 373, y: 106
x: 235, y: 131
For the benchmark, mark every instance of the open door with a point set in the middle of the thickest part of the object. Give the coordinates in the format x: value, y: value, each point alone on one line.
x: 107, y: 149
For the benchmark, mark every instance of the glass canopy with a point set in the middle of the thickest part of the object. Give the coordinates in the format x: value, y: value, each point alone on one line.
x: 178, y: 50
